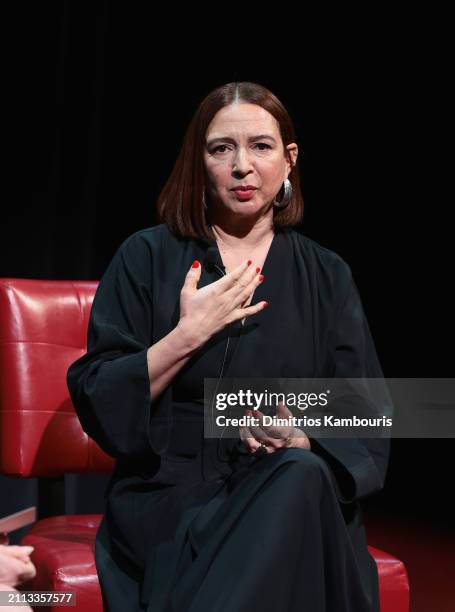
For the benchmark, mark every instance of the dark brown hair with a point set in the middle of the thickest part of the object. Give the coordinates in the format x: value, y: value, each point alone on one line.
x: 179, y: 204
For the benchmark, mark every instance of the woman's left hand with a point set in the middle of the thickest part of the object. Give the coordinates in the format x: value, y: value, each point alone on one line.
x: 274, y: 438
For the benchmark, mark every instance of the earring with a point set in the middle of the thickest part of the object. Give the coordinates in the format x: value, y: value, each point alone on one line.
x: 287, y: 196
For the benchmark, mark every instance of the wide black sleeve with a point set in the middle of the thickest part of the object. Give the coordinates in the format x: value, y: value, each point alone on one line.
x: 359, y: 464
x: 109, y: 385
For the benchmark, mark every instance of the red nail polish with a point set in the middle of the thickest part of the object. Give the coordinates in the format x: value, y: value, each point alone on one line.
x: 265, y: 304
x: 261, y: 277
x: 195, y: 264
x: 258, y: 270
x: 249, y: 262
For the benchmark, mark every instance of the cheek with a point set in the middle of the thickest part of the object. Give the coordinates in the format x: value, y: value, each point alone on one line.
x: 273, y: 166
x: 273, y: 175
x: 213, y: 171
x: 220, y: 177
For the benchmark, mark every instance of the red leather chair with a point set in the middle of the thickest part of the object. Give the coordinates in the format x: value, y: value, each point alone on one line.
x: 43, y: 330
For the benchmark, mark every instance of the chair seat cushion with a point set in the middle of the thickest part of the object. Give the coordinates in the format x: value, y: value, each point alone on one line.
x: 64, y: 554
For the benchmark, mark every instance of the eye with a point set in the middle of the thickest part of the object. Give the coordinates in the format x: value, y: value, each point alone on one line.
x: 218, y: 147
x: 258, y: 144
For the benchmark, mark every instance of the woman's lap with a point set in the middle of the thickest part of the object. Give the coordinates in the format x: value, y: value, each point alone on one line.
x: 275, y: 540
x: 272, y: 534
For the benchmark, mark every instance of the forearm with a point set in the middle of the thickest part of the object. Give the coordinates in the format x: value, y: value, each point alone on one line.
x: 167, y: 356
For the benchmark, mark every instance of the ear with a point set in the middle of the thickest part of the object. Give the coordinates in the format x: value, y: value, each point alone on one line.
x: 291, y: 156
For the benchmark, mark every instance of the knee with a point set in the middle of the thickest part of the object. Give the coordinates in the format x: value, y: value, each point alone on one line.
x: 305, y: 461
x: 302, y: 456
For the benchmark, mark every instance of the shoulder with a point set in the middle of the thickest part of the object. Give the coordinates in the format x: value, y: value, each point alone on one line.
x: 152, y: 236
x: 320, y: 259
x: 148, y: 241
x: 329, y: 275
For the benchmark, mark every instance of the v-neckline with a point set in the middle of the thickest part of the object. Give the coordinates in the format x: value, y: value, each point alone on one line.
x: 257, y: 296
x: 267, y: 257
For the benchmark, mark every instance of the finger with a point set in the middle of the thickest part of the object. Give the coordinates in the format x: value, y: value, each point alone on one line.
x: 18, y: 551
x: 272, y: 435
x: 193, y: 276
x: 257, y: 428
x: 240, y: 291
x: 240, y: 299
x: 300, y: 439
x: 13, y: 554
x: 11, y: 548
x: 259, y: 444
x: 247, y: 438
x: 282, y: 409
x: 242, y: 313
x: 251, y: 443
x: 239, y: 278
x: 28, y: 573
x: 13, y: 566
x: 283, y: 412
x: 296, y: 437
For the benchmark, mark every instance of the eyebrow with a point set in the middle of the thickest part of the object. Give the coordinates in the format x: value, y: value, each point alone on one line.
x: 250, y: 139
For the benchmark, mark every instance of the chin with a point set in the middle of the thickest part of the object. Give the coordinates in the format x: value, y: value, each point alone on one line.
x: 242, y: 208
x: 246, y: 210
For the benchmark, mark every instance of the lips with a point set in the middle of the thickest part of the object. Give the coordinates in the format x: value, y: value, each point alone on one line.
x: 244, y: 188
x: 244, y: 194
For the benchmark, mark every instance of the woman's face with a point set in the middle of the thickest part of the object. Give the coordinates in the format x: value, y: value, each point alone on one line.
x: 244, y: 147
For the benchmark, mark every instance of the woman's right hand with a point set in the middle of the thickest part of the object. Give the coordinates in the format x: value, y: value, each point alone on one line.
x: 205, y: 311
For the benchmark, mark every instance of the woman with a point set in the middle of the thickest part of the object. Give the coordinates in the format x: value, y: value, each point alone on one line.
x: 194, y: 523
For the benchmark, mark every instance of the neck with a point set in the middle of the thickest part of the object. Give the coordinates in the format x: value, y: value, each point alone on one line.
x: 246, y: 237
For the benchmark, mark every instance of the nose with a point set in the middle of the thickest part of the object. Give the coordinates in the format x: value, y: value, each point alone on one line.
x: 241, y: 162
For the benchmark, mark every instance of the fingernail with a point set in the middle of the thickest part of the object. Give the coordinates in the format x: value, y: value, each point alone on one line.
x: 261, y: 277
x: 249, y: 262
x: 258, y: 270
x: 195, y: 264
x: 265, y: 305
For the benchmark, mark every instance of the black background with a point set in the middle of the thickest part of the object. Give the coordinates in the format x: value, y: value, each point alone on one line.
x: 101, y: 94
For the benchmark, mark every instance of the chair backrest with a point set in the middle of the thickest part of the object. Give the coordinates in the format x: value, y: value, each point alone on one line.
x: 43, y: 329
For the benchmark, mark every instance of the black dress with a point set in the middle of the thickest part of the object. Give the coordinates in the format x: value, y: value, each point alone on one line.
x: 194, y: 524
